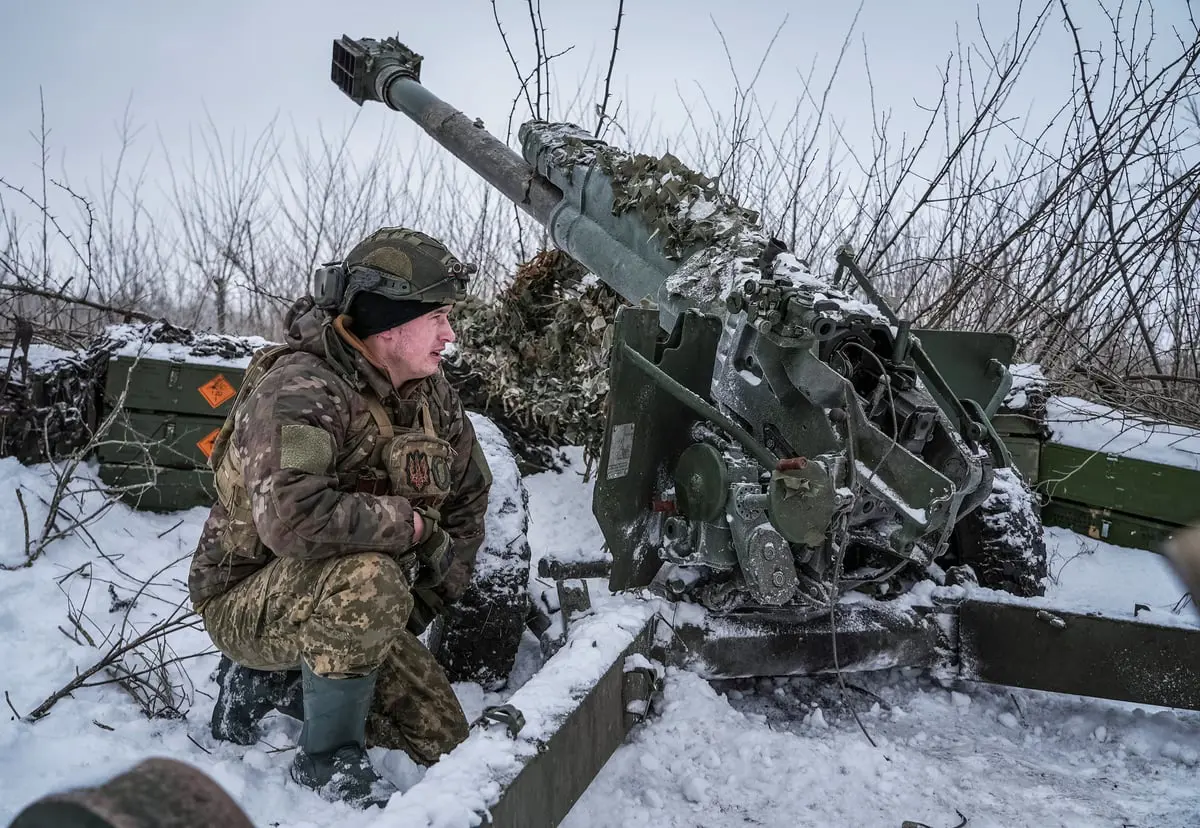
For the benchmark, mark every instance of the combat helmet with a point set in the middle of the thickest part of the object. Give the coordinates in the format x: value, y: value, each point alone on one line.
x: 398, y: 264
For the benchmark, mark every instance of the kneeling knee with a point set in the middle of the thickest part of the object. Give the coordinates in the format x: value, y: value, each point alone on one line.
x: 367, y: 587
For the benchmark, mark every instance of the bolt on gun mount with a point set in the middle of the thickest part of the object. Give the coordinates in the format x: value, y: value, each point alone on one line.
x: 770, y: 440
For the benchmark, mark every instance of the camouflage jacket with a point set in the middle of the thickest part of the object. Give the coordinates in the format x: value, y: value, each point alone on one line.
x: 297, y: 510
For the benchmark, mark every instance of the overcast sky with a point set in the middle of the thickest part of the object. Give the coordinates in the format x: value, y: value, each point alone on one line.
x: 243, y: 62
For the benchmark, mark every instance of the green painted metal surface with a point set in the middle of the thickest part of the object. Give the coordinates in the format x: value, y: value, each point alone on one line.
x: 176, y: 387
x: 551, y: 783
x: 1164, y: 494
x: 157, y: 489
x: 169, y: 440
x: 870, y: 635
x: 1107, y: 525
x: 1120, y: 500
x: 157, y: 449
x: 1135, y: 661
x: 973, y: 363
x: 649, y: 430
x: 1013, y: 424
x: 1026, y: 455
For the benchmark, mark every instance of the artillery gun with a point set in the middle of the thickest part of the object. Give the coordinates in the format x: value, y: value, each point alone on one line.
x: 781, y: 463
x: 807, y: 483
x: 771, y: 442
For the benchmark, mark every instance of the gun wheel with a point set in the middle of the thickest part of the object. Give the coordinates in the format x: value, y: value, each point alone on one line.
x: 477, y: 638
x: 1003, y: 540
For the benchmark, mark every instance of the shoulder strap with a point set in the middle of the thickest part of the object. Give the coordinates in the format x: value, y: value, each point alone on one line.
x: 380, y: 416
x: 260, y: 364
x: 426, y: 419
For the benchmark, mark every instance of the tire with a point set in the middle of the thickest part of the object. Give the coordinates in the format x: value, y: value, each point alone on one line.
x: 1003, y: 540
x: 478, y: 637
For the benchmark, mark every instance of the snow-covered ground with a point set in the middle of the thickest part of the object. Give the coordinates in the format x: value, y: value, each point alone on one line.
x: 748, y: 753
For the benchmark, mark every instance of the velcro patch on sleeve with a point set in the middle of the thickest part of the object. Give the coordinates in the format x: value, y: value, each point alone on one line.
x: 305, y: 447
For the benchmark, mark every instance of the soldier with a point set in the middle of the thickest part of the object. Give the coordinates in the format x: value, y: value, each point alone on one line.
x: 351, y: 502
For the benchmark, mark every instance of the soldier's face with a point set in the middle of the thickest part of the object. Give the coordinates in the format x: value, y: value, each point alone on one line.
x: 414, y: 350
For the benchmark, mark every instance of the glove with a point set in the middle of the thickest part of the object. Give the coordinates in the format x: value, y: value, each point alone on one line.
x: 434, y: 554
x: 426, y: 607
x: 455, y: 581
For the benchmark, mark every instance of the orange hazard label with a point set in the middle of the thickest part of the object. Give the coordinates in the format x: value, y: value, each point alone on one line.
x: 217, y: 390
x: 210, y: 440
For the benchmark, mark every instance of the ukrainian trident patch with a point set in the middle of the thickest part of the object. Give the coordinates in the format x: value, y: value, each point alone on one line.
x: 416, y: 470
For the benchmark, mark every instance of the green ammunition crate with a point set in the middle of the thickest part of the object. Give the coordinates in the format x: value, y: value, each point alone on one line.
x: 1018, y: 425
x: 1023, y: 436
x: 1026, y: 455
x: 1151, y: 491
x: 169, y: 440
x: 160, y: 490
x: 178, y: 387
x: 1108, y: 526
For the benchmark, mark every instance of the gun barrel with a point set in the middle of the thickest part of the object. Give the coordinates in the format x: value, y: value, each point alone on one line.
x: 565, y: 179
x: 475, y: 147
x: 389, y: 72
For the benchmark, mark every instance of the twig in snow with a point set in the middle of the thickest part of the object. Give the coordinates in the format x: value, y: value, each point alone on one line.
x: 111, y: 658
x: 1020, y: 715
x: 10, y: 705
x: 24, y: 521
x: 77, y: 570
x: 103, y: 726
x: 134, y: 674
x: 172, y: 529
x: 886, y: 705
x: 79, y: 626
x: 908, y: 823
x: 197, y: 744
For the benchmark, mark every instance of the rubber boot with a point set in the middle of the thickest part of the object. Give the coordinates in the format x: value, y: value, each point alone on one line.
x: 244, y: 696
x: 331, y: 757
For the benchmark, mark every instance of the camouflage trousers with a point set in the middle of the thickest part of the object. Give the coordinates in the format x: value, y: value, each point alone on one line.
x: 344, y: 616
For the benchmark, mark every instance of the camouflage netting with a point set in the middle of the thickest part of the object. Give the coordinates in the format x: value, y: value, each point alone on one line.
x: 682, y: 206
x: 48, y: 408
x: 535, y: 359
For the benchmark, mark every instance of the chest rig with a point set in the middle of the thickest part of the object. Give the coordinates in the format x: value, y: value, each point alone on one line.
x: 415, y: 463
x: 409, y: 461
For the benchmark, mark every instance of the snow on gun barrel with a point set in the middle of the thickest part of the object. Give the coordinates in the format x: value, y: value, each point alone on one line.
x: 736, y: 357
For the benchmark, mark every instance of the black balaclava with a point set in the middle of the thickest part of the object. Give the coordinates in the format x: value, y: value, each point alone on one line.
x: 371, y: 313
